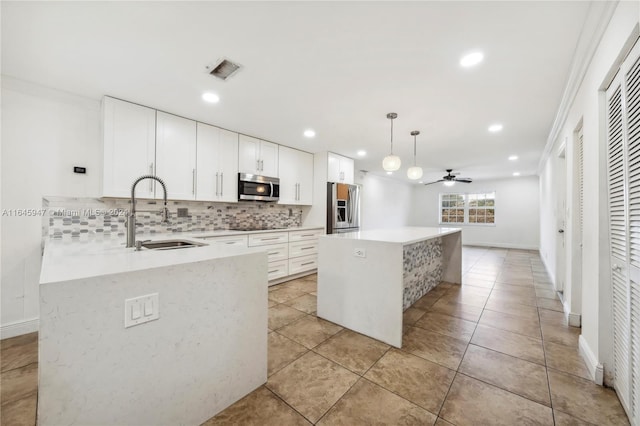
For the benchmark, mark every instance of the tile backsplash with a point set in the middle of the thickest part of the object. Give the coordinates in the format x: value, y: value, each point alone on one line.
x: 86, y: 218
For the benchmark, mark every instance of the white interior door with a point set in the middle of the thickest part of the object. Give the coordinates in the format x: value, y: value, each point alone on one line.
x: 561, y: 208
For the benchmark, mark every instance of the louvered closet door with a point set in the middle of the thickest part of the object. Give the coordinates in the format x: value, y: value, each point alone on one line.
x: 623, y: 140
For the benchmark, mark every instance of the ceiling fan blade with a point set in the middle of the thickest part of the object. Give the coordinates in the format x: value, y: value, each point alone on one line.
x: 431, y: 183
x: 463, y: 180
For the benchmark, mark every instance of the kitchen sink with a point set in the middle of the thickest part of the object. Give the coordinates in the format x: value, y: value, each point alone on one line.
x: 169, y: 244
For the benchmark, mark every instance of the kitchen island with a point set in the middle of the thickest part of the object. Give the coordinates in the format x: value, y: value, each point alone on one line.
x: 206, y: 350
x: 367, y: 279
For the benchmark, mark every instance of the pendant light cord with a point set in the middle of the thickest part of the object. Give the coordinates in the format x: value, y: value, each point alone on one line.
x: 414, y: 150
x: 392, y: 136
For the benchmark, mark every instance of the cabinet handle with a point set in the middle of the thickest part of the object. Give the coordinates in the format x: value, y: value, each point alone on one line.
x: 262, y: 165
x: 230, y: 242
x: 151, y: 180
x: 274, y: 271
x: 193, y: 181
x: 221, y: 183
x: 267, y: 239
x: 216, y: 184
x: 272, y: 253
x: 307, y: 263
x: 307, y: 235
x: 306, y: 248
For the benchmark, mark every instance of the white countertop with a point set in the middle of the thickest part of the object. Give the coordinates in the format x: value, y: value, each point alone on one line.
x: 405, y: 235
x: 64, y: 260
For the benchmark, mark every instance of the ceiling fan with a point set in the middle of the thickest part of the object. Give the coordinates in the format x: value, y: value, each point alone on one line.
x: 451, y: 178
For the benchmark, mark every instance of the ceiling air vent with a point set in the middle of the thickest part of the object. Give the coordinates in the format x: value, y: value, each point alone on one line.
x: 223, y: 69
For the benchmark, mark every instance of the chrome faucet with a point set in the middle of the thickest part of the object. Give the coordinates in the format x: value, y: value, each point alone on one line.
x: 131, y: 218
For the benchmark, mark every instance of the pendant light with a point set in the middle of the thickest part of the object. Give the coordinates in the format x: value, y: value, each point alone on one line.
x: 391, y: 162
x: 414, y: 172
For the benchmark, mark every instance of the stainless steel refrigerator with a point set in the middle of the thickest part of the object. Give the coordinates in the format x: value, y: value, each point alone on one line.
x: 343, y: 208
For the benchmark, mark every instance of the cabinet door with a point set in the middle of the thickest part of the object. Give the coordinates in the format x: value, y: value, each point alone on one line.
x: 288, y: 172
x: 268, y: 159
x: 129, y: 148
x: 333, y: 168
x: 248, y: 150
x: 176, y: 156
x: 346, y: 170
x: 305, y: 178
x: 208, y: 176
x: 228, y: 166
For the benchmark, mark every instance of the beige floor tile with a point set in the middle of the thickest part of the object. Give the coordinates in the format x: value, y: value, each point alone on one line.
x: 563, y: 419
x: 505, y: 296
x: 282, y: 351
x: 563, y: 335
x: 305, y: 303
x: 515, y: 280
x: 444, y: 350
x: 446, y: 286
x: 310, y: 331
x: 304, y: 284
x: 18, y: 351
x: 547, y: 294
x: 475, y: 282
x: 352, y: 350
x: 281, y: 315
x: 466, y: 298
x: 516, y: 289
x: 285, y: 294
x: 472, y: 402
x: 527, y: 327
x: 552, y: 317
x: 21, y: 412
x: 447, y: 325
x: 443, y: 422
x: 369, y: 404
x: 411, y: 315
x: 554, y: 305
x: 272, y: 303
x: 566, y: 359
x: 585, y: 400
x: 260, y: 407
x: 312, y: 384
x: 480, y: 277
x: 427, y: 301
x: 420, y: 381
x: 18, y: 383
x: 509, y: 343
x: 515, y: 309
x: 509, y: 373
x: 460, y: 310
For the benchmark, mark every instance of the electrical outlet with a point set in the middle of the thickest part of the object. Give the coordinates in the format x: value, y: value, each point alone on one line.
x: 359, y: 252
x: 139, y: 310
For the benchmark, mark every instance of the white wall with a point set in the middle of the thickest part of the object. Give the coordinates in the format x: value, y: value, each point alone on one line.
x: 384, y: 203
x: 594, y: 297
x: 44, y: 134
x: 517, y: 211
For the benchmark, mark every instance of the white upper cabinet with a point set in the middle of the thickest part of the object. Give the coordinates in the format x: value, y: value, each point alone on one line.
x: 217, y: 164
x: 340, y: 169
x: 129, y: 148
x: 296, y: 176
x: 176, y: 156
x: 257, y: 156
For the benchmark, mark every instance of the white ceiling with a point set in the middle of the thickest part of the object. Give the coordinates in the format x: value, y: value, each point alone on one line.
x: 336, y: 67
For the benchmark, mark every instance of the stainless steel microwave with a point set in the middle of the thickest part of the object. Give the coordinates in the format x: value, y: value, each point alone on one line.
x: 258, y: 188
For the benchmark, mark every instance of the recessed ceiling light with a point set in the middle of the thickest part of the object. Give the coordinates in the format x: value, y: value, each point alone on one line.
x: 513, y: 157
x: 471, y: 59
x: 309, y: 133
x: 516, y: 173
x: 495, y: 128
x: 362, y: 153
x: 389, y: 173
x: 210, y: 97
x: 421, y: 182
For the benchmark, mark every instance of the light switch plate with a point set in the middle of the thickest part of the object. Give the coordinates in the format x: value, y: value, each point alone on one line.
x: 141, y: 309
x: 359, y: 252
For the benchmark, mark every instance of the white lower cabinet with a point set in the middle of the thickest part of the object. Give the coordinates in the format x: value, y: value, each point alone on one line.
x: 235, y: 240
x: 303, y: 264
x: 276, y: 252
x: 279, y: 269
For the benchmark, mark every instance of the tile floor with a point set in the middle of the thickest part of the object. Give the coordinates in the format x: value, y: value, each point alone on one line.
x: 494, y: 351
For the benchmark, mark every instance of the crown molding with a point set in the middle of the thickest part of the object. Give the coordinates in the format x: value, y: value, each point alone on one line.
x: 596, y: 23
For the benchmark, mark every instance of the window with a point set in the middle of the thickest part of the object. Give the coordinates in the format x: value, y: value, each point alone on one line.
x: 473, y: 209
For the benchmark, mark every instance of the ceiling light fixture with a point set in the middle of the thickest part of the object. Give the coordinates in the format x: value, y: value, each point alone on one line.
x: 513, y: 157
x: 516, y: 173
x: 414, y: 172
x: 389, y: 173
x: 362, y: 153
x: 471, y: 59
x: 309, y: 133
x: 391, y: 162
x: 449, y: 182
x: 494, y: 128
x: 210, y: 97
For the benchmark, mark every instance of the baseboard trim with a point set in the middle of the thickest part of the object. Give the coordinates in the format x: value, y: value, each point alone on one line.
x: 595, y: 369
x: 549, y: 274
x: 574, y: 320
x: 19, y: 328
x: 502, y: 245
